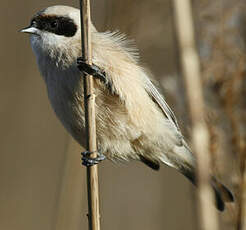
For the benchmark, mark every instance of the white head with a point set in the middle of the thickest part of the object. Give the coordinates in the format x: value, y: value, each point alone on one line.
x: 55, y: 34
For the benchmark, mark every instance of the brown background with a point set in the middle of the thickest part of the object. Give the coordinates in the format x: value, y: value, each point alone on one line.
x: 42, y: 185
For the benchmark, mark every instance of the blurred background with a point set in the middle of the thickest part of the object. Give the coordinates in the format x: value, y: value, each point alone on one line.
x: 42, y: 184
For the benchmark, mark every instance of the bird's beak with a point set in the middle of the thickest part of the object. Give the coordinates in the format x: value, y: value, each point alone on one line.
x: 30, y: 30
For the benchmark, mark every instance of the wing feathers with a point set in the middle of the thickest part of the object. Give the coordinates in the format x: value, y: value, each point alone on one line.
x: 159, y: 100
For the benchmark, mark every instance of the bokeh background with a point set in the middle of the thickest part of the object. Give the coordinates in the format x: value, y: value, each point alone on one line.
x: 42, y: 184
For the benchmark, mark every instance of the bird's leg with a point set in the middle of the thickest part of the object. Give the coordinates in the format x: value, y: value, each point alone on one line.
x: 88, y: 161
x: 93, y: 70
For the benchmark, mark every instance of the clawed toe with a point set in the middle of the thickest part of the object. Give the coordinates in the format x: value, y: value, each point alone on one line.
x: 88, y: 161
x: 83, y: 66
x: 92, y: 70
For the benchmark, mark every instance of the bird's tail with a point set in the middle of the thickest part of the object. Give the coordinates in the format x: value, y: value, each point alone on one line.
x: 222, y: 193
x: 185, y: 163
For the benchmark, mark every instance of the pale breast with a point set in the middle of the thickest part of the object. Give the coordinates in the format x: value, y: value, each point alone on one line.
x: 65, y: 91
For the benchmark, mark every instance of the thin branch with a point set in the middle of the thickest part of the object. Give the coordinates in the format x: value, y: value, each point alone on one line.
x: 90, y: 121
x: 200, y: 137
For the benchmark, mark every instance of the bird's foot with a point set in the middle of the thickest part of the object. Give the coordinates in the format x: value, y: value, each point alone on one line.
x: 88, y: 161
x: 92, y: 70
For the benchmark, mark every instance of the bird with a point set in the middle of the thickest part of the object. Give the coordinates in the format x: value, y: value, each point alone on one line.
x: 133, y: 120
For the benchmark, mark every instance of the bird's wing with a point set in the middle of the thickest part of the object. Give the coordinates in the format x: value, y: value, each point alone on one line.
x: 159, y: 100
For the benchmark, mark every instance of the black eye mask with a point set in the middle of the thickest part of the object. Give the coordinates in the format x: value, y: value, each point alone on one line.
x: 59, y: 25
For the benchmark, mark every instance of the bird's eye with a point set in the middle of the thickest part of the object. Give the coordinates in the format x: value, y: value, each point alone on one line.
x: 54, y: 24
x: 33, y: 23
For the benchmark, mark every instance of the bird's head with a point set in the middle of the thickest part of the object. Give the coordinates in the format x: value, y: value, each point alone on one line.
x: 55, y: 31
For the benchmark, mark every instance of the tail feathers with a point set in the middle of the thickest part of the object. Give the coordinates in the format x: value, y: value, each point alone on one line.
x: 152, y: 164
x: 222, y: 193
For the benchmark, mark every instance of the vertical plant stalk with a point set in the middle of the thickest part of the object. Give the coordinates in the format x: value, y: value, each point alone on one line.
x: 200, y: 136
x: 90, y: 119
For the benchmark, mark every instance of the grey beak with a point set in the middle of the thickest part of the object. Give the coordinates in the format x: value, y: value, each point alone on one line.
x: 30, y: 30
